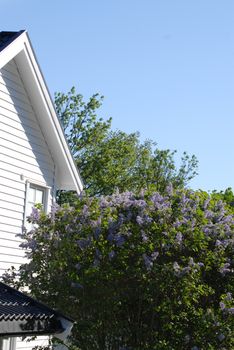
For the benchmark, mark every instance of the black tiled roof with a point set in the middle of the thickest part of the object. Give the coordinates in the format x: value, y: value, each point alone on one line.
x: 7, y: 37
x: 22, y: 315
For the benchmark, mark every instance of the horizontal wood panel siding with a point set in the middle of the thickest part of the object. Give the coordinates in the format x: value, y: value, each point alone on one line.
x: 12, y: 231
x: 24, y: 344
x: 24, y: 155
x: 10, y: 243
x: 10, y: 255
x: 28, y: 128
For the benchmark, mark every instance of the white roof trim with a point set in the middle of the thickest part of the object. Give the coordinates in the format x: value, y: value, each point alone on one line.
x: 21, y: 50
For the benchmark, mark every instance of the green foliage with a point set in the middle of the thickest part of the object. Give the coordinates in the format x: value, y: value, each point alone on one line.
x: 137, y: 272
x: 108, y: 159
x: 227, y: 196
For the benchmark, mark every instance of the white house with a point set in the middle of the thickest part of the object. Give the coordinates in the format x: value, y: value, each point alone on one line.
x: 35, y: 159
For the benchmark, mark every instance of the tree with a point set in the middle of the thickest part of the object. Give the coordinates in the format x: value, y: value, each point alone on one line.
x: 108, y: 159
x: 227, y: 196
x: 146, y: 271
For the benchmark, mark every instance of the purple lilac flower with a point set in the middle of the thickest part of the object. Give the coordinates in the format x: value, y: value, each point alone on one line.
x: 200, y: 264
x: 207, y: 230
x: 140, y: 203
x: 30, y: 244
x: 54, y: 209
x: 176, y: 266
x: 68, y: 228
x: 128, y: 233
x: 157, y: 200
x: 119, y: 240
x: 222, y: 244
x: 112, y: 227
x: 229, y: 296
x: 191, y: 262
x: 85, y: 211
x: 218, y: 243
x: 162, y: 206
x: 222, y: 305
x: 179, y: 238
x: 97, y: 232
x: 208, y: 214
x: 231, y: 310
x: 148, y: 219
x: 83, y: 243
x: 225, y: 269
x: 110, y: 237
x: 47, y: 235
x: 104, y: 203
x: 221, y: 337
x: 220, y: 206
x: 228, y: 219
x: 169, y: 189
x: 129, y: 215
x: 185, y: 270
x: 96, y: 223
x: 139, y: 220
x: 180, y: 272
x: 144, y: 236
x: 206, y: 203
x: 148, y: 262
x: 35, y: 215
x: 111, y: 255
x: 177, y: 223
x: 154, y: 256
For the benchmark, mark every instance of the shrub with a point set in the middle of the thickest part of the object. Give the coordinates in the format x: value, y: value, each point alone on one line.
x: 137, y: 272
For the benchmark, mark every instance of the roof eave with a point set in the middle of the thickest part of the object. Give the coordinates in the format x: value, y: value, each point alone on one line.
x: 30, y: 327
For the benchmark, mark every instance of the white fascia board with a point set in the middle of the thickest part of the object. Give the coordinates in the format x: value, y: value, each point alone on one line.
x: 68, y: 175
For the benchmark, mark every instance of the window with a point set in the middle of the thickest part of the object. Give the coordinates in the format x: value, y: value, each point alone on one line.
x: 35, y: 194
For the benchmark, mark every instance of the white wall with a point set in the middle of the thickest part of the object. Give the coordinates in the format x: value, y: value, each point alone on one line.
x: 24, y: 155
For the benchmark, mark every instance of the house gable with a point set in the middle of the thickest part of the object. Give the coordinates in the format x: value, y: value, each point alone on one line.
x: 24, y: 157
x: 20, y: 49
x: 34, y: 155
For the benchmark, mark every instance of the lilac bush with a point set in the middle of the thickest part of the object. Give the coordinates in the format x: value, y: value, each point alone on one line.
x: 146, y: 271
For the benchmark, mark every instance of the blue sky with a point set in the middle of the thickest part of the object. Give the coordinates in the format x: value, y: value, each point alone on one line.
x: 165, y: 67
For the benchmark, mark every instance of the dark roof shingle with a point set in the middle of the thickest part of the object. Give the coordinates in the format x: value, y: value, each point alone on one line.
x: 22, y: 315
x: 7, y: 37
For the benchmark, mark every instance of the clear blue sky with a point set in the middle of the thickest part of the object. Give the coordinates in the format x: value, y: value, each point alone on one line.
x: 165, y: 67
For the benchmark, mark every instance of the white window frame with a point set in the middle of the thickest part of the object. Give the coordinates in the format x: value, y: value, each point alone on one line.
x: 36, y: 184
x: 7, y: 343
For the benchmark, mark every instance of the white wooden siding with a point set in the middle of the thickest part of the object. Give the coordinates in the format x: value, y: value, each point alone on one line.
x: 28, y: 344
x: 24, y: 154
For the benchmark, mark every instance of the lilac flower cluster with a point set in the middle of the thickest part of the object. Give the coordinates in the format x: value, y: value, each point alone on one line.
x: 119, y: 215
x: 149, y: 260
x: 227, y: 304
x: 181, y: 271
x: 35, y: 215
x: 225, y: 269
